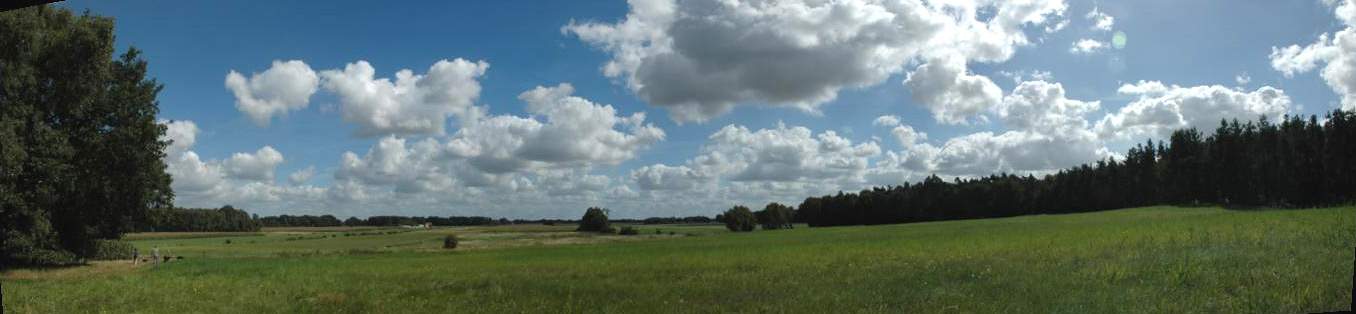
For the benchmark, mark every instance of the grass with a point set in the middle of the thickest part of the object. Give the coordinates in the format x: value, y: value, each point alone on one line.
x: 1156, y: 259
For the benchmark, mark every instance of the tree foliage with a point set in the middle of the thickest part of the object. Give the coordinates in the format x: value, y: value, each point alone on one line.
x: 595, y: 220
x: 775, y: 216
x: 739, y: 219
x: 224, y: 219
x: 82, y: 157
x: 1298, y: 163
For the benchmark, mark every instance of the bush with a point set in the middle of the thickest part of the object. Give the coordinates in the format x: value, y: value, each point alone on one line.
x: 739, y: 219
x: 775, y: 216
x: 112, y: 250
x: 450, y: 241
x: 628, y: 230
x: 595, y: 220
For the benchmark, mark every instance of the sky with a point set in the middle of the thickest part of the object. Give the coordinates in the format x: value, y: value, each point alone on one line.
x: 540, y: 109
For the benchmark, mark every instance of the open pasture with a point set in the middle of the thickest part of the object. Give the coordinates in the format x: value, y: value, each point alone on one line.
x: 1155, y: 259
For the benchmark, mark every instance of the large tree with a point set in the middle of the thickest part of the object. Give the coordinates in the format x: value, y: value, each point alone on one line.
x: 595, y: 220
x: 739, y: 219
x: 81, y: 155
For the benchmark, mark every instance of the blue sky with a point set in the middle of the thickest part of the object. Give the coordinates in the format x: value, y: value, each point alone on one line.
x: 734, y: 138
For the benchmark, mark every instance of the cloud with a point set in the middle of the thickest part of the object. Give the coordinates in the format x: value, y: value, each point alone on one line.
x: 286, y: 86
x: 188, y: 172
x: 1025, y: 75
x: 1345, y: 10
x: 1042, y: 106
x: 907, y: 136
x: 952, y: 94
x: 182, y: 135
x: 887, y: 120
x: 1337, y: 51
x: 517, y: 160
x: 1242, y: 79
x: 1100, y: 20
x: 575, y: 132
x: 412, y: 168
x: 577, y: 129
x: 1087, y: 46
x: 300, y: 177
x: 668, y: 178
x: 413, y: 104
x: 740, y: 165
x: 258, y: 166
x: 1159, y: 109
x: 191, y: 174
x: 699, y: 58
x: 1048, y: 132
x: 782, y: 154
x: 244, y: 180
x: 1058, y: 26
x: 986, y: 153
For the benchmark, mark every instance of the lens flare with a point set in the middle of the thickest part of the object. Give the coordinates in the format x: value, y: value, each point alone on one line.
x: 1118, y: 40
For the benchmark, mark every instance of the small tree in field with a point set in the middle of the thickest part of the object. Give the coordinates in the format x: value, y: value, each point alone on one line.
x: 775, y: 216
x: 595, y: 220
x: 739, y: 219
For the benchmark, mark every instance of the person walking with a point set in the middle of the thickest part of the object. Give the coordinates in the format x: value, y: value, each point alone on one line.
x: 155, y: 253
x: 136, y: 256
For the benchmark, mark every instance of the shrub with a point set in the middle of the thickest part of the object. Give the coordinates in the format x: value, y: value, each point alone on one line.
x: 450, y: 241
x: 628, y: 230
x: 112, y: 250
x: 595, y: 220
x: 739, y: 219
x: 775, y: 216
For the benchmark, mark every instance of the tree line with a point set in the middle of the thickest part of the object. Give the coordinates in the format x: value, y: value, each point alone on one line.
x: 375, y: 221
x: 1296, y: 163
x: 169, y: 219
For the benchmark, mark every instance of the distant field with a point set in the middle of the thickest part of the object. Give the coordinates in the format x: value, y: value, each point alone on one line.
x: 1156, y: 259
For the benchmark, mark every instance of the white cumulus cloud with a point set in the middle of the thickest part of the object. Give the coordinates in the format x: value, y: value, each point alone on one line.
x: 258, y: 166
x: 1337, y: 52
x: 950, y: 92
x: 286, y: 86
x: 1159, y: 109
x: 699, y: 58
x: 302, y: 176
x: 887, y: 120
x: 1100, y: 20
x: 575, y: 132
x: 1087, y: 46
x: 413, y: 103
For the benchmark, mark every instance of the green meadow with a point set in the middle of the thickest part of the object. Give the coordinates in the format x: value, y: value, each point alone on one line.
x: 1153, y: 259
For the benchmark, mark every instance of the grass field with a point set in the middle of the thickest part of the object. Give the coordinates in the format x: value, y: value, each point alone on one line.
x: 1156, y: 259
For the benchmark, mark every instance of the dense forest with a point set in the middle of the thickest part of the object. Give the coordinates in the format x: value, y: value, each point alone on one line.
x: 1296, y: 163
